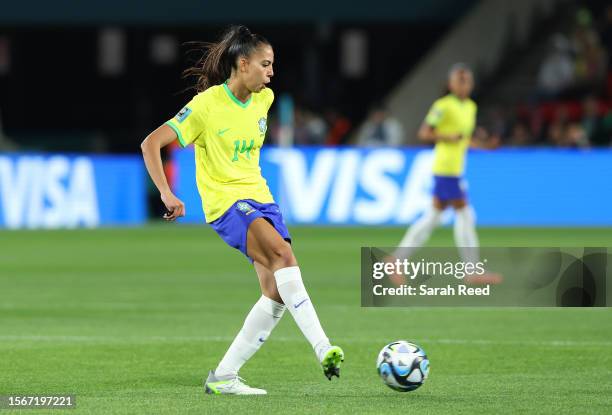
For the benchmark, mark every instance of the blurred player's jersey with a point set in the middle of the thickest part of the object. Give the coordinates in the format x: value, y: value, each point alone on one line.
x: 450, y: 115
x: 227, y: 135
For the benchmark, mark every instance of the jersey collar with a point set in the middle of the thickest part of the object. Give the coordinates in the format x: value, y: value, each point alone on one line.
x: 459, y: 100
x: 236, y: 100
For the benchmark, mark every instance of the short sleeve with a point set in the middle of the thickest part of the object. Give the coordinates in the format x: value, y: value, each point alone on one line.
x: 190, y: 121
x: 435, y: 114
x: 269, y: 99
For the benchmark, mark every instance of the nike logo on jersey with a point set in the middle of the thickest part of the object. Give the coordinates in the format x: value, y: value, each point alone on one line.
x: 221, y: 132
x: 300, y: 303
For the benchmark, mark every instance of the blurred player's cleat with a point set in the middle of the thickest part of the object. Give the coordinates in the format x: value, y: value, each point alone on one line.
x: 331, y: 358
x: 234, y: 386
x: 488, y: 278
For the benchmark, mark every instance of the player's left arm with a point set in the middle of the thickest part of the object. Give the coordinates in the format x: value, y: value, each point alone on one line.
x: 270, y: 98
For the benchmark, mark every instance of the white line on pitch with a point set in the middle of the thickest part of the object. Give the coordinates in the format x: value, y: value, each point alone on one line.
x: 180, y: 339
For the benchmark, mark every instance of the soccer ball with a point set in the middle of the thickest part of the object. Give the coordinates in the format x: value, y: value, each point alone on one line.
x: 403, y: 366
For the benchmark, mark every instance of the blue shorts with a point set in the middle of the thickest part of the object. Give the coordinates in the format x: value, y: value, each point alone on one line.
x: 233, y: 225
x: 448, y: 188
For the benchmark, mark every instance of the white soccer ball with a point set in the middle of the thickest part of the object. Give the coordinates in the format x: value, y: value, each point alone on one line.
x: 403, y: 366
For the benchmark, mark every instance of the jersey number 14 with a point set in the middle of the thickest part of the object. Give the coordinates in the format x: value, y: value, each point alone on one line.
x: 244, y: 149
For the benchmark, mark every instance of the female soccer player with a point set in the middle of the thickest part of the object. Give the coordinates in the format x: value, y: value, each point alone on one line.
x: 226, y: 122
x: 449, y: 124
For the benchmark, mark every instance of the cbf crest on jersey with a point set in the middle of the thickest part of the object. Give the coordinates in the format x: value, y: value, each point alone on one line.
x: 245, y: 208
x: 263, y: 125
x: 182, y: 114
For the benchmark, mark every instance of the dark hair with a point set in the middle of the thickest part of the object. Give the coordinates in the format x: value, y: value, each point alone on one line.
x: 459, y: 66
x: 215, y: 65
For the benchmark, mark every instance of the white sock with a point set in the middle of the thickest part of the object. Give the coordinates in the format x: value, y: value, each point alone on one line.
x: 418, y: 233
x: 465, y: 234
x: 258, y: 325
x: 292, y: 291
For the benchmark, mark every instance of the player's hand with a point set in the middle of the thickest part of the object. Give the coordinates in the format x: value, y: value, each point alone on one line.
x: 175, y: 207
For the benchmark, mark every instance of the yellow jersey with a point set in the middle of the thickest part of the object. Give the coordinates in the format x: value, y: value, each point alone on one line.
x: 227, y: 135
x: 451, y: 115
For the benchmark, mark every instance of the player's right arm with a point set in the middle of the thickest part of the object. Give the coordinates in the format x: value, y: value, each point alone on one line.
x: 151, y: 152
x: 187, y: 127
x: 428, y: 132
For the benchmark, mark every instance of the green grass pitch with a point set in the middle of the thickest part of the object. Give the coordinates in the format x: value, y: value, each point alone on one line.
x: 131, y: 320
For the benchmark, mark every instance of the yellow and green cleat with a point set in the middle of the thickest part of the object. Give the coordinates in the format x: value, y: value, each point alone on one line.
x: 331, y: 360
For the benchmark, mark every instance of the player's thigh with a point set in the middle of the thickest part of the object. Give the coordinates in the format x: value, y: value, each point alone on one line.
x: 439, y: 204
x: 458, y: 203
x: 266, y: 246
x: 267, y: 282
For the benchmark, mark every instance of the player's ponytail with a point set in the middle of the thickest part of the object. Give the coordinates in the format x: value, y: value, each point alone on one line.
x: 218, y: 59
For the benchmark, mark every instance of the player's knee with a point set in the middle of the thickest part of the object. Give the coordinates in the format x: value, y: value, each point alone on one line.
x: 284, y: 256
x: 272, y: 293
x: 438, y: 204
x: 459, y: 203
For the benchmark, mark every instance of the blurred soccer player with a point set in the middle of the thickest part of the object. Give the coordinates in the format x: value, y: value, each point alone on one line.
x: 226, y: 122
x: 449, y: 124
